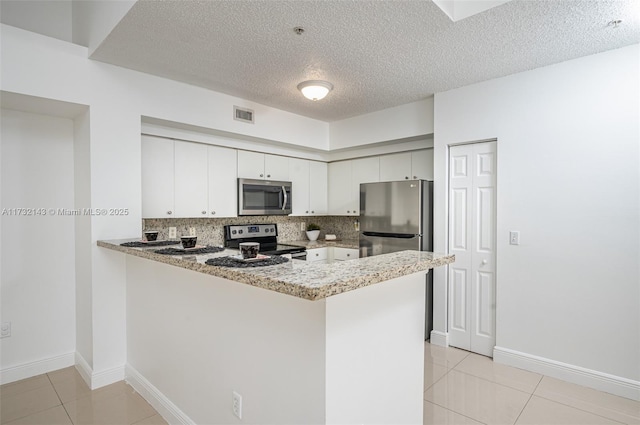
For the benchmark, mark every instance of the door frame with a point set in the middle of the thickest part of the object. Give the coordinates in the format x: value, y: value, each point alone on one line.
x: 442, y: 274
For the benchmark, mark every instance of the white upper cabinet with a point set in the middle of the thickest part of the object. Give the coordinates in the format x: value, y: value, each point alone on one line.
x: 260, y: 166
x: 422, y: 164
x: 191, y: 181
x: 276, y: 167
x: 299, y: 175
x: 187, y: 180
x: 309, y: 180
x: 157, y: 178
x: 395, y: 167
x: 340, y: 190
x: 364, y: 170
x: 407, y: 166
x: 344, y: 183
x: 223, y: 192
x: 318, y: 188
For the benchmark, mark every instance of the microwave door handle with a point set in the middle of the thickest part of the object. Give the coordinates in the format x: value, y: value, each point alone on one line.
x: 284, y: 204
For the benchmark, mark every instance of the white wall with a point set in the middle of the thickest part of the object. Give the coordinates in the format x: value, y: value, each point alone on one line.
x: 37, y: 286
x: 401, y: 122
x: 568, y: 180
x: 46, y: 17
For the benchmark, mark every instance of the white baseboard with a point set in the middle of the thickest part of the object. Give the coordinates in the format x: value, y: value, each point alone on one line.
x: 439, y: 338
x: 106, y: 377
x: 578, y: 375
x: 99, y: 379
x: 169, y: 411
x: 27, y: 370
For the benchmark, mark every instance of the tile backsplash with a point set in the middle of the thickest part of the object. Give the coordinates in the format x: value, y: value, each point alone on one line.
x: 210, y: 230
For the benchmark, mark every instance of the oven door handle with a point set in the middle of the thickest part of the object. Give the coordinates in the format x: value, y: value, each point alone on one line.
x: 284, y: 193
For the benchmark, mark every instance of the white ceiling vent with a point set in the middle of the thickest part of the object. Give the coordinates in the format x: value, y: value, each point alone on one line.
x: 243, y: 114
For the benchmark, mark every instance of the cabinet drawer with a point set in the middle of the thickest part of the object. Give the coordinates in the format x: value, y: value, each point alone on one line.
x: 318, y: 254
x: 343, y: 254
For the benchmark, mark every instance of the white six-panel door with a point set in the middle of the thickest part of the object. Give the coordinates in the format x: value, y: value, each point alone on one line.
x: 472, y: 238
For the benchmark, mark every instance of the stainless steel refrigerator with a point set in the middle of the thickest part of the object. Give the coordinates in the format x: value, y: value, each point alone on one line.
x: 397, y: 216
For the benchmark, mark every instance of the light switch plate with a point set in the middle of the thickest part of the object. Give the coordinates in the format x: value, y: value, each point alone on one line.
x: 173, y: 233
x: 192, y: 231
x: 514, y: 238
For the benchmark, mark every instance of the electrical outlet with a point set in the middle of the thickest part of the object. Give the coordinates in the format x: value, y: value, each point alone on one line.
x: 5, y: 330
x: 237, y: 405
x: 514, y: 238
x: 192, y: 231
x: 303, y: 227
x: 173, y: 233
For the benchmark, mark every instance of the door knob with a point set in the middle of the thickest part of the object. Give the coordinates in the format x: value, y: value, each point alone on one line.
x: 484, y: 262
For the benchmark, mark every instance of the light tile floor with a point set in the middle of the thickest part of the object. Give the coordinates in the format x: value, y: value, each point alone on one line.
x: 465, y: 388
x: 63, y: 398
x: 460, y: 388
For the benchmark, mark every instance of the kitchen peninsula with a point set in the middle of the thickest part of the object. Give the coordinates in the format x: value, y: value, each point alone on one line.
x: 300, y: 343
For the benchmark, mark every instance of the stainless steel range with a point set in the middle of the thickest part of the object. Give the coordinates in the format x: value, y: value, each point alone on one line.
x: 266, y: 235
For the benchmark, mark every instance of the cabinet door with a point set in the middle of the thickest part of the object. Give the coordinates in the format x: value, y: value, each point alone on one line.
x: 157, y: 178
x: 317, y: 187
x: 276, y: 167
x: 223, y: 184
x: 340, y: 189
x: 422, y: 164
x: 395, y: 167
x: 364, y: 170
x: 191, y: 180
x: 299, y: 174
x: 250, y: 165
x: 343, y: 254
x: 317, y: 254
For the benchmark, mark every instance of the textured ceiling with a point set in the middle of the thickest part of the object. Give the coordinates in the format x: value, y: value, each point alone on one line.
x: 377, y: 54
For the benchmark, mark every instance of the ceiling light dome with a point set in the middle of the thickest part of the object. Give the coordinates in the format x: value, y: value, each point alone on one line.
x: 315, y: 89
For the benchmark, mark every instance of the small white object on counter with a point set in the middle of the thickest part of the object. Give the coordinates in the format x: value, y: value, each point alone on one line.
x: 330, y: 237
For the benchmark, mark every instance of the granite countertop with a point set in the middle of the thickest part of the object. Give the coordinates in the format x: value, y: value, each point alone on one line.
x: 321, y: 243
x: 310, y: 281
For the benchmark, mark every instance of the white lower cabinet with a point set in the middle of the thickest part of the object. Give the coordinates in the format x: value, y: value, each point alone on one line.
x: 344, y: 254
x: 317, y: 255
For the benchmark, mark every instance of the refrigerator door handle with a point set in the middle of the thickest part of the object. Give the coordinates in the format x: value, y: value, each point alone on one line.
x: 392, y: 235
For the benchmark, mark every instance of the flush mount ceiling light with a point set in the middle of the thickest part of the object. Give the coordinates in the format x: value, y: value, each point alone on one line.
x: 315, y: 89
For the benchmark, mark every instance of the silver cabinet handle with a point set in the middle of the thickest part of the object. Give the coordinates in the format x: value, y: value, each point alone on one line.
x: 169, y: 212
x: 261, y: 175
x: 204, y: 212
x: 406, y: 177
x: 213, y: 212
x: 415, y: 177
x: 313, y: 212
x: 317, y: 254
x: 306, y: 212
x: 268, y: 175
x: 348, y: 255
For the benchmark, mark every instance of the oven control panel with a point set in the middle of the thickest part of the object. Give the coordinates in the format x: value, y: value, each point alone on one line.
x: 245, y: 231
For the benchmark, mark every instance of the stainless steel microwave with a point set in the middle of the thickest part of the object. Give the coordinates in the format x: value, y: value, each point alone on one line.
x: 263, y: 197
